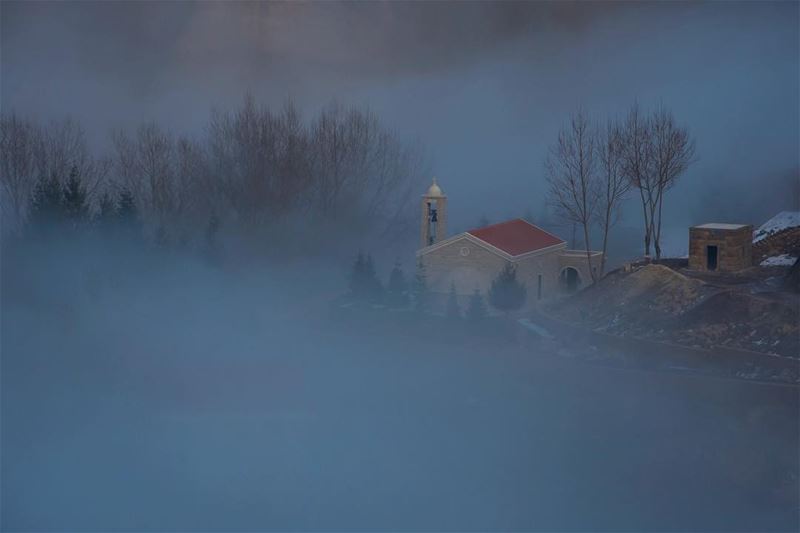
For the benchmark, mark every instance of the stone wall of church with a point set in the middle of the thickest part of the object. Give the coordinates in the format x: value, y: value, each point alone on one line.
x: 545, y: 265
x: 464, y: 264
x: 470, y: 266
x: 577, y: 259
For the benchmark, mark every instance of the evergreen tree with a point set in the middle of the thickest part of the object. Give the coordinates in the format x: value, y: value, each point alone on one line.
x: 127, y: 217
x: 419, y: 289
x: 507, y: 293
x: 127, y: 212
x: 106, y: 215
x: 397, y: 290
x: 76, y: 207
x: 476, y: 308
x: 46, y: 209
x: 357, y: 275
x: 108, y: 209
x: 372, y: 285
x: 364, y: 283
x: 453, y: 309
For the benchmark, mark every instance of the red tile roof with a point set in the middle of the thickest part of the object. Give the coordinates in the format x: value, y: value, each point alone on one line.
x: 516, y: 237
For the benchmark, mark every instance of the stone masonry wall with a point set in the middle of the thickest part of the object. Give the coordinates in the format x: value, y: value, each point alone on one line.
x: 529, y: 269
x: 579, y: 262
x: 470, y: 266
x: 464, y: 263
x: 734, y: 248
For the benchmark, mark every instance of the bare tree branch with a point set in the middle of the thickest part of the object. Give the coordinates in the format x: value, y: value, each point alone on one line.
x: 614, y: 184
x: 571, y: 168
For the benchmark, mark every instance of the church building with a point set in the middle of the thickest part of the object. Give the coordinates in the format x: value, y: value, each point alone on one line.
x: 471, y: 260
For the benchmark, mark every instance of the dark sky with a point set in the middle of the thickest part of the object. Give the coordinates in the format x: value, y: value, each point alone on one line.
x: 484, y: 86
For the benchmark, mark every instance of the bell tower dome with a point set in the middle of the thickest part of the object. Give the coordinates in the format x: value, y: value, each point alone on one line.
x: 434, y: 216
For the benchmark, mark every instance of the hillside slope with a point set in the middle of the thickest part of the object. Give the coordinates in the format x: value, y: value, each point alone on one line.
x: 660, y: 303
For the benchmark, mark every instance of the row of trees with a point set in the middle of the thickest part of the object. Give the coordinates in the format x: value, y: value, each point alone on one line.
x: 592, y: 168
x: 254, y: 168
x: 506, y: 293
x: 365, y: 286
x: 34, y: 158
x: 59, y: 207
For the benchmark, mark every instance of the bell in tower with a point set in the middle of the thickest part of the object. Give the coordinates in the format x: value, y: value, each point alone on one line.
x: 434, y: 216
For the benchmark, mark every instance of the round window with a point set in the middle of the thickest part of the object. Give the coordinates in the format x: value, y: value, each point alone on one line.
x: 464, y: 251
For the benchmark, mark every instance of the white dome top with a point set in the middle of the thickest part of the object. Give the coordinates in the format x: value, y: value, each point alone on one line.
x: 434, y: 189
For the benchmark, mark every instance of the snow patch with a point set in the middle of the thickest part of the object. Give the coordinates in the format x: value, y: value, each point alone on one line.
x: 781, y: 221
x: 779, y: 260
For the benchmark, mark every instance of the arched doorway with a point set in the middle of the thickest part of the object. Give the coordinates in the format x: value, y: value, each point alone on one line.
x: 570, y: 279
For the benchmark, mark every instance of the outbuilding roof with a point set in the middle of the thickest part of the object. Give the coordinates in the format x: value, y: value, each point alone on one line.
x: 516, y: 237
x: 720, y: 225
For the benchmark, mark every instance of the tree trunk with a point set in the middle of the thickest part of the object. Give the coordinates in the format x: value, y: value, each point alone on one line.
x: 646, y: 224
x: 605, y: 242
x: 588, y: 252
x: 658, y: 227
x: 655, y: 222
x: 652, y: 231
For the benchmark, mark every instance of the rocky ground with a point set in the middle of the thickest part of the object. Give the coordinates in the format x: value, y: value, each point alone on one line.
x: 779, y: 248
x: 748, y: 311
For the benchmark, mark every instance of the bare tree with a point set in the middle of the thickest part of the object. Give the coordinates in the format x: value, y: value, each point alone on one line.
x: 291, y: 162
x: 614, y: 185
x: 62, y: 147
x: 30, y: 153
x: 673, y: 151
x: 344, y: 167
x: 192, y: 196
x: 656, y: 153
x: 19, y: 139
x: 260, y: 161
x: 361, y: 170
x: 257, y: 167
x: 147, y: 165
x: 571, y: 168
x: 63, y: 150
x: 638, y: 166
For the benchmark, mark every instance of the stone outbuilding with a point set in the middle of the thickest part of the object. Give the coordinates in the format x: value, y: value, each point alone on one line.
x: 720, y: 247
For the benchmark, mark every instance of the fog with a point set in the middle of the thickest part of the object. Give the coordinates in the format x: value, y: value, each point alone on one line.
x: 148, y: 385
x: 146, y: 390
x: 484, y: 86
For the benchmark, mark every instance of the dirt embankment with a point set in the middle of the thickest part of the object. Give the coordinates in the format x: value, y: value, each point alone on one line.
x: 659, y: 303
x: 783, y: 243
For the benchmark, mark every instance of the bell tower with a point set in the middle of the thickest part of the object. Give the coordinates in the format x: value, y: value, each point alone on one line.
x: 434, y: 216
